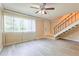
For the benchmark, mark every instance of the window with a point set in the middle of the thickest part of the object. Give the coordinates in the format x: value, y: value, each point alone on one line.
x: 18, y: 24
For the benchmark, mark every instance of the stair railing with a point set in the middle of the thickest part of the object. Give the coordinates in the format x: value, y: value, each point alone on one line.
x: 71, y: 18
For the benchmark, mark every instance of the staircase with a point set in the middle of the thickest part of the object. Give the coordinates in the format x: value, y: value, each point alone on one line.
x: 70, y: 22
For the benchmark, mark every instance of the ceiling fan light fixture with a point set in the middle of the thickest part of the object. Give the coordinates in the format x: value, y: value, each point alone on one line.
x: 42, y: 12
x: 45, y: 12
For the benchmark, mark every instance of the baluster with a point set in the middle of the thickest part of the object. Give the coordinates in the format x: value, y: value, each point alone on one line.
x: 75, y: 16
x: 63, y: 24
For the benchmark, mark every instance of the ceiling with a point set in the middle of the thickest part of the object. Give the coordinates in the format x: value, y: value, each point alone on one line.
x: 60, y: 9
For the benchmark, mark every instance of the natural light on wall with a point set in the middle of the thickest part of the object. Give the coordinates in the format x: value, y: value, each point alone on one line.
x: 17, y: 24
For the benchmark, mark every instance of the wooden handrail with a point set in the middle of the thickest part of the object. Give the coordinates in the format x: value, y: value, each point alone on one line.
x: 64, y: 19
x: 64, y: 23
x: 68, y: 19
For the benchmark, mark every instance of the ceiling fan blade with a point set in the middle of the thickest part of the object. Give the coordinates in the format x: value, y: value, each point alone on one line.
x: 36, y: 12
x: 49, y: 8
x: 34, y: 7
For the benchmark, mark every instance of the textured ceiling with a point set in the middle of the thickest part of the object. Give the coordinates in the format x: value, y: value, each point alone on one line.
x: 60, y: 9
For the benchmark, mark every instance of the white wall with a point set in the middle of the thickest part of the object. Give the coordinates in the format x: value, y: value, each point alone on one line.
x: 1, y: 27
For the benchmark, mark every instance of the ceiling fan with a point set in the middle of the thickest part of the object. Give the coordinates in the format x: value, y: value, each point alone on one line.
x: 42, y: 8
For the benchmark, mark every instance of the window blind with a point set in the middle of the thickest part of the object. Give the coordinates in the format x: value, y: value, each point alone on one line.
x: 13, y: 23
